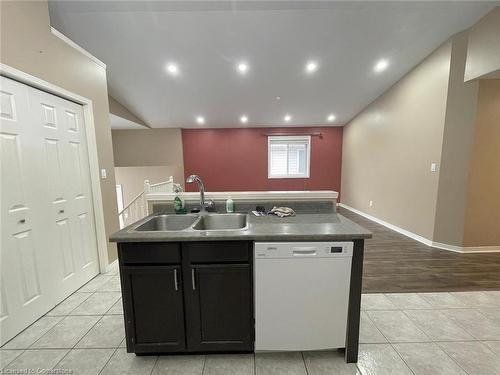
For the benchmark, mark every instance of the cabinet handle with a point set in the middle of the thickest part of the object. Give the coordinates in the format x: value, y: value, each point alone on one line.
x: 176, y: 285
x: 193, y: 279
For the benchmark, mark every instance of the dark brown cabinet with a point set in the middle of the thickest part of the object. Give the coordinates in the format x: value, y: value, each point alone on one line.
x: 220, y: 309
x: 154, y: 308
x: 190, y: 297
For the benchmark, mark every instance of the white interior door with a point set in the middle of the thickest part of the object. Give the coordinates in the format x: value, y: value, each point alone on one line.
x: 48, y: 239
x: 25, y: 264
x: 69, y: 211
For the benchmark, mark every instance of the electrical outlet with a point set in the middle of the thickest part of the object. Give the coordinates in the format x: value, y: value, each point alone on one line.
x: 434, y: 167
x: 371, y: 203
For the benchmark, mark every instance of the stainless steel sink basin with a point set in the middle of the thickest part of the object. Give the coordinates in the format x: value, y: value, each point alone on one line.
x: 167, y: 223
x: 221, y: 222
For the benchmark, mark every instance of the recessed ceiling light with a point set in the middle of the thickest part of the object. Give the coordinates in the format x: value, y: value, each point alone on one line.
x: 331, y: 117
x: 287, y: 118
x: 172, y: 69
x: 242, y: 67
x: 311, y: 66
x: 200, y: 120
x: 381, y: 65
x: 243, y: 119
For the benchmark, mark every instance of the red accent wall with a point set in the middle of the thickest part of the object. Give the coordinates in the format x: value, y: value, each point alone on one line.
x: 236, y: 159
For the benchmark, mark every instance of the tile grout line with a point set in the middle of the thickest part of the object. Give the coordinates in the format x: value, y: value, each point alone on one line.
x: 466, y: 330
x: 67, y: 316
x: 74, y: 346
x: 402, y: 359
x: 449, y: 356
x: 16, y: 357
x: 204, y: 363
x: 378, y: 330
x: 63, y: 317
x: 154, y: 365
x: 86, y: 333
x: 104, y: 313
x: 26, y: 348
x: 416, y: 326
x: 91, y: 294
x: 388, y: 342
x: 109, y: 360
x: 304, y: 363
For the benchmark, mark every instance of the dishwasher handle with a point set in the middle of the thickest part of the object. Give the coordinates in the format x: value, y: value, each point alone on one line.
x: 304, y: 251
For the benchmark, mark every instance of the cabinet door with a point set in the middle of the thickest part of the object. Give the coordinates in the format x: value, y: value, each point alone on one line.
x: 219, y: 309
x: 154, y: 313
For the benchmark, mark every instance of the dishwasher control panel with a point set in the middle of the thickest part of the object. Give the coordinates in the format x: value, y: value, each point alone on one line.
x: 336, y: 249
x: 302, y: 249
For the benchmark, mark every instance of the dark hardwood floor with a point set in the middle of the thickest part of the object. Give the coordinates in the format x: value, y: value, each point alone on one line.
x: 396, y: 263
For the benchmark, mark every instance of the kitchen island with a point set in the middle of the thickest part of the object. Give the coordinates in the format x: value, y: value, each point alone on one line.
x: 192, y: 290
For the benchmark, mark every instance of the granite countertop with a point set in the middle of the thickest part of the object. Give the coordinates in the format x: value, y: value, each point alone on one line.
x: 302, y: 227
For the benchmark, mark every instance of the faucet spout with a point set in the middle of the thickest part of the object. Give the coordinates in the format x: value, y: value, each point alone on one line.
x: 201, y: 187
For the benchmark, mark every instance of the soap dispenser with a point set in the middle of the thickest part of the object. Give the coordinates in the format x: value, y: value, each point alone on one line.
x: 229, y: 205
x: 178, y: 200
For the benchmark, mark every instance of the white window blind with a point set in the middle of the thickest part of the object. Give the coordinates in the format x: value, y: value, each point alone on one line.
x: 288, y: 156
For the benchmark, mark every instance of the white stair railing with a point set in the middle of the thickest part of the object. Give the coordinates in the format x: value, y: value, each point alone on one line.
x: 161, y: 187
x: 138, y: 207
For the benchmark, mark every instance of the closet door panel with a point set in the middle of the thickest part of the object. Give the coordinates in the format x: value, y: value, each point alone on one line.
x: 82, y: 204
x: 25, y: 265
x: 81, y: 194
x: 48, y: 242
x: 48, y: 121
x: 68, y: 186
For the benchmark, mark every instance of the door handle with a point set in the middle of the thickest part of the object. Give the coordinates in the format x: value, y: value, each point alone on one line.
x: 22, y: 221
x: 61, y: 211
x: 176, y: 285
x: 304, y: 250
x: 193, y: 281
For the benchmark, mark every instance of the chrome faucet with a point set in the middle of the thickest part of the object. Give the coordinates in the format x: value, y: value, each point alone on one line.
x: 204, y: 206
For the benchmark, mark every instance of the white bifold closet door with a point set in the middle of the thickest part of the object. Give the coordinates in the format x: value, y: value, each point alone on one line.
x: 48, y: 240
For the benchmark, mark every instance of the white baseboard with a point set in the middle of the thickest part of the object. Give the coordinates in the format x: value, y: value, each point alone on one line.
x: 425, y: 241
x: 110, y: 265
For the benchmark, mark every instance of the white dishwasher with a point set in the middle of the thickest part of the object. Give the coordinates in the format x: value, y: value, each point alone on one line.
x: 301, y: 295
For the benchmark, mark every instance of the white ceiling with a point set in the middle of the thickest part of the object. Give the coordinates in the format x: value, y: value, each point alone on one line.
x: 207, y: 39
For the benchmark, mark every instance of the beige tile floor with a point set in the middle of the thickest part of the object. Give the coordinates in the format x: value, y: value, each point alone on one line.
x: 407, y: 333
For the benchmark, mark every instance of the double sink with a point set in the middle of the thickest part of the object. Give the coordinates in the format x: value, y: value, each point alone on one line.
x: 207, y: 222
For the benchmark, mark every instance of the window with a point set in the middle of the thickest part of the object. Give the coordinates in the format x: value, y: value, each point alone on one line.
x: 288, y: 156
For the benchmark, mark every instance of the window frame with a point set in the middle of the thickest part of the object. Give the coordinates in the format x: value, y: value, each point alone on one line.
x: 289, y: 138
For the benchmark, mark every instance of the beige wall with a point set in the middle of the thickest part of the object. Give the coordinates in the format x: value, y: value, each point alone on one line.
x: 430, y: 115
x: 456, y: 149
x: 148, y: 148
x: 482, y: 224
x: 483, y: 55
x: 120, y: 110
x: 389, y: 147
x: 28, y: 45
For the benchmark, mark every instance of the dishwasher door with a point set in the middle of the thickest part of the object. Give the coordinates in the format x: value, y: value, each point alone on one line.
x: 301, y: 295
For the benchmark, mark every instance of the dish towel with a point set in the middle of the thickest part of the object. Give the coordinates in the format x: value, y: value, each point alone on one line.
x: 282, y: 211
